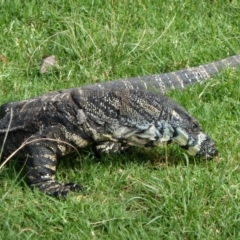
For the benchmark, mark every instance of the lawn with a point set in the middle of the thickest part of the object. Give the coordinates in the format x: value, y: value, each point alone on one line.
x: 148, y: 193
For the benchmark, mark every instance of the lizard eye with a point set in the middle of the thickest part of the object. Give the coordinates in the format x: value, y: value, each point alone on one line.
x: 195, y: 127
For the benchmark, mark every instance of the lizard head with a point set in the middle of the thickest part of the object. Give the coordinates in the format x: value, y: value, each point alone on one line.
x: 188, y: 135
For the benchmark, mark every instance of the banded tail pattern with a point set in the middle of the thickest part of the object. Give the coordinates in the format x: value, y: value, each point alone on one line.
x: 172, y: 80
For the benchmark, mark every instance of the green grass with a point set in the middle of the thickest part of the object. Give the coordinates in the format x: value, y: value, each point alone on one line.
x: 144, y: 194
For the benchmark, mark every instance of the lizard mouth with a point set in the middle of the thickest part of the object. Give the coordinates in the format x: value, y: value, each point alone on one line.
x: 208, y: 150
x: 204, y: 148
x: 199, y: 145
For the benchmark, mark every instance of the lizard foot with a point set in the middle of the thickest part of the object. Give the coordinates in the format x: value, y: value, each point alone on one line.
x: 56, y: 189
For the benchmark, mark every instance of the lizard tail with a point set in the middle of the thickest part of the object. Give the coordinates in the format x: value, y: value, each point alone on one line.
x: 173, y: 80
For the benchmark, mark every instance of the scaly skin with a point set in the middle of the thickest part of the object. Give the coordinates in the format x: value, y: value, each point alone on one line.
x: 173, y: 80
x: 56, y: 123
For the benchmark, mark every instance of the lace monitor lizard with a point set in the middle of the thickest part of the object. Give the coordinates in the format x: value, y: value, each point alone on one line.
x: 112, y: 116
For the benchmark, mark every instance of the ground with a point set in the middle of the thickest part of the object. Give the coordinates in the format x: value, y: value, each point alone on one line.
x: 143, y: 194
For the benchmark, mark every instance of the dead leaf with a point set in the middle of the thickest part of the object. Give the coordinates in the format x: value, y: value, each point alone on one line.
x: 3, y: 59
x: 48, y: 62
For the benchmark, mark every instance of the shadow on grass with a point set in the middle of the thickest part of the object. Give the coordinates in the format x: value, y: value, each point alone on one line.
x: 152, y: 159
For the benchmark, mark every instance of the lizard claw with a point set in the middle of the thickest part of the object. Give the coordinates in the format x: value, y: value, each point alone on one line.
x: 74, y: 187
x: 57, y: 189
x: 63, y: 190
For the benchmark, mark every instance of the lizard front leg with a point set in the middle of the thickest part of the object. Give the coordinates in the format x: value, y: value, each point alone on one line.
x: 111, y: 147
x: 42, y: 153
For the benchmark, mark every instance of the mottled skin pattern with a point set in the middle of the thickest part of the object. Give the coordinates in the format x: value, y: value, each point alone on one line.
x: 112, y: 116
x: 56, y: 123
x: 173, y: 80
